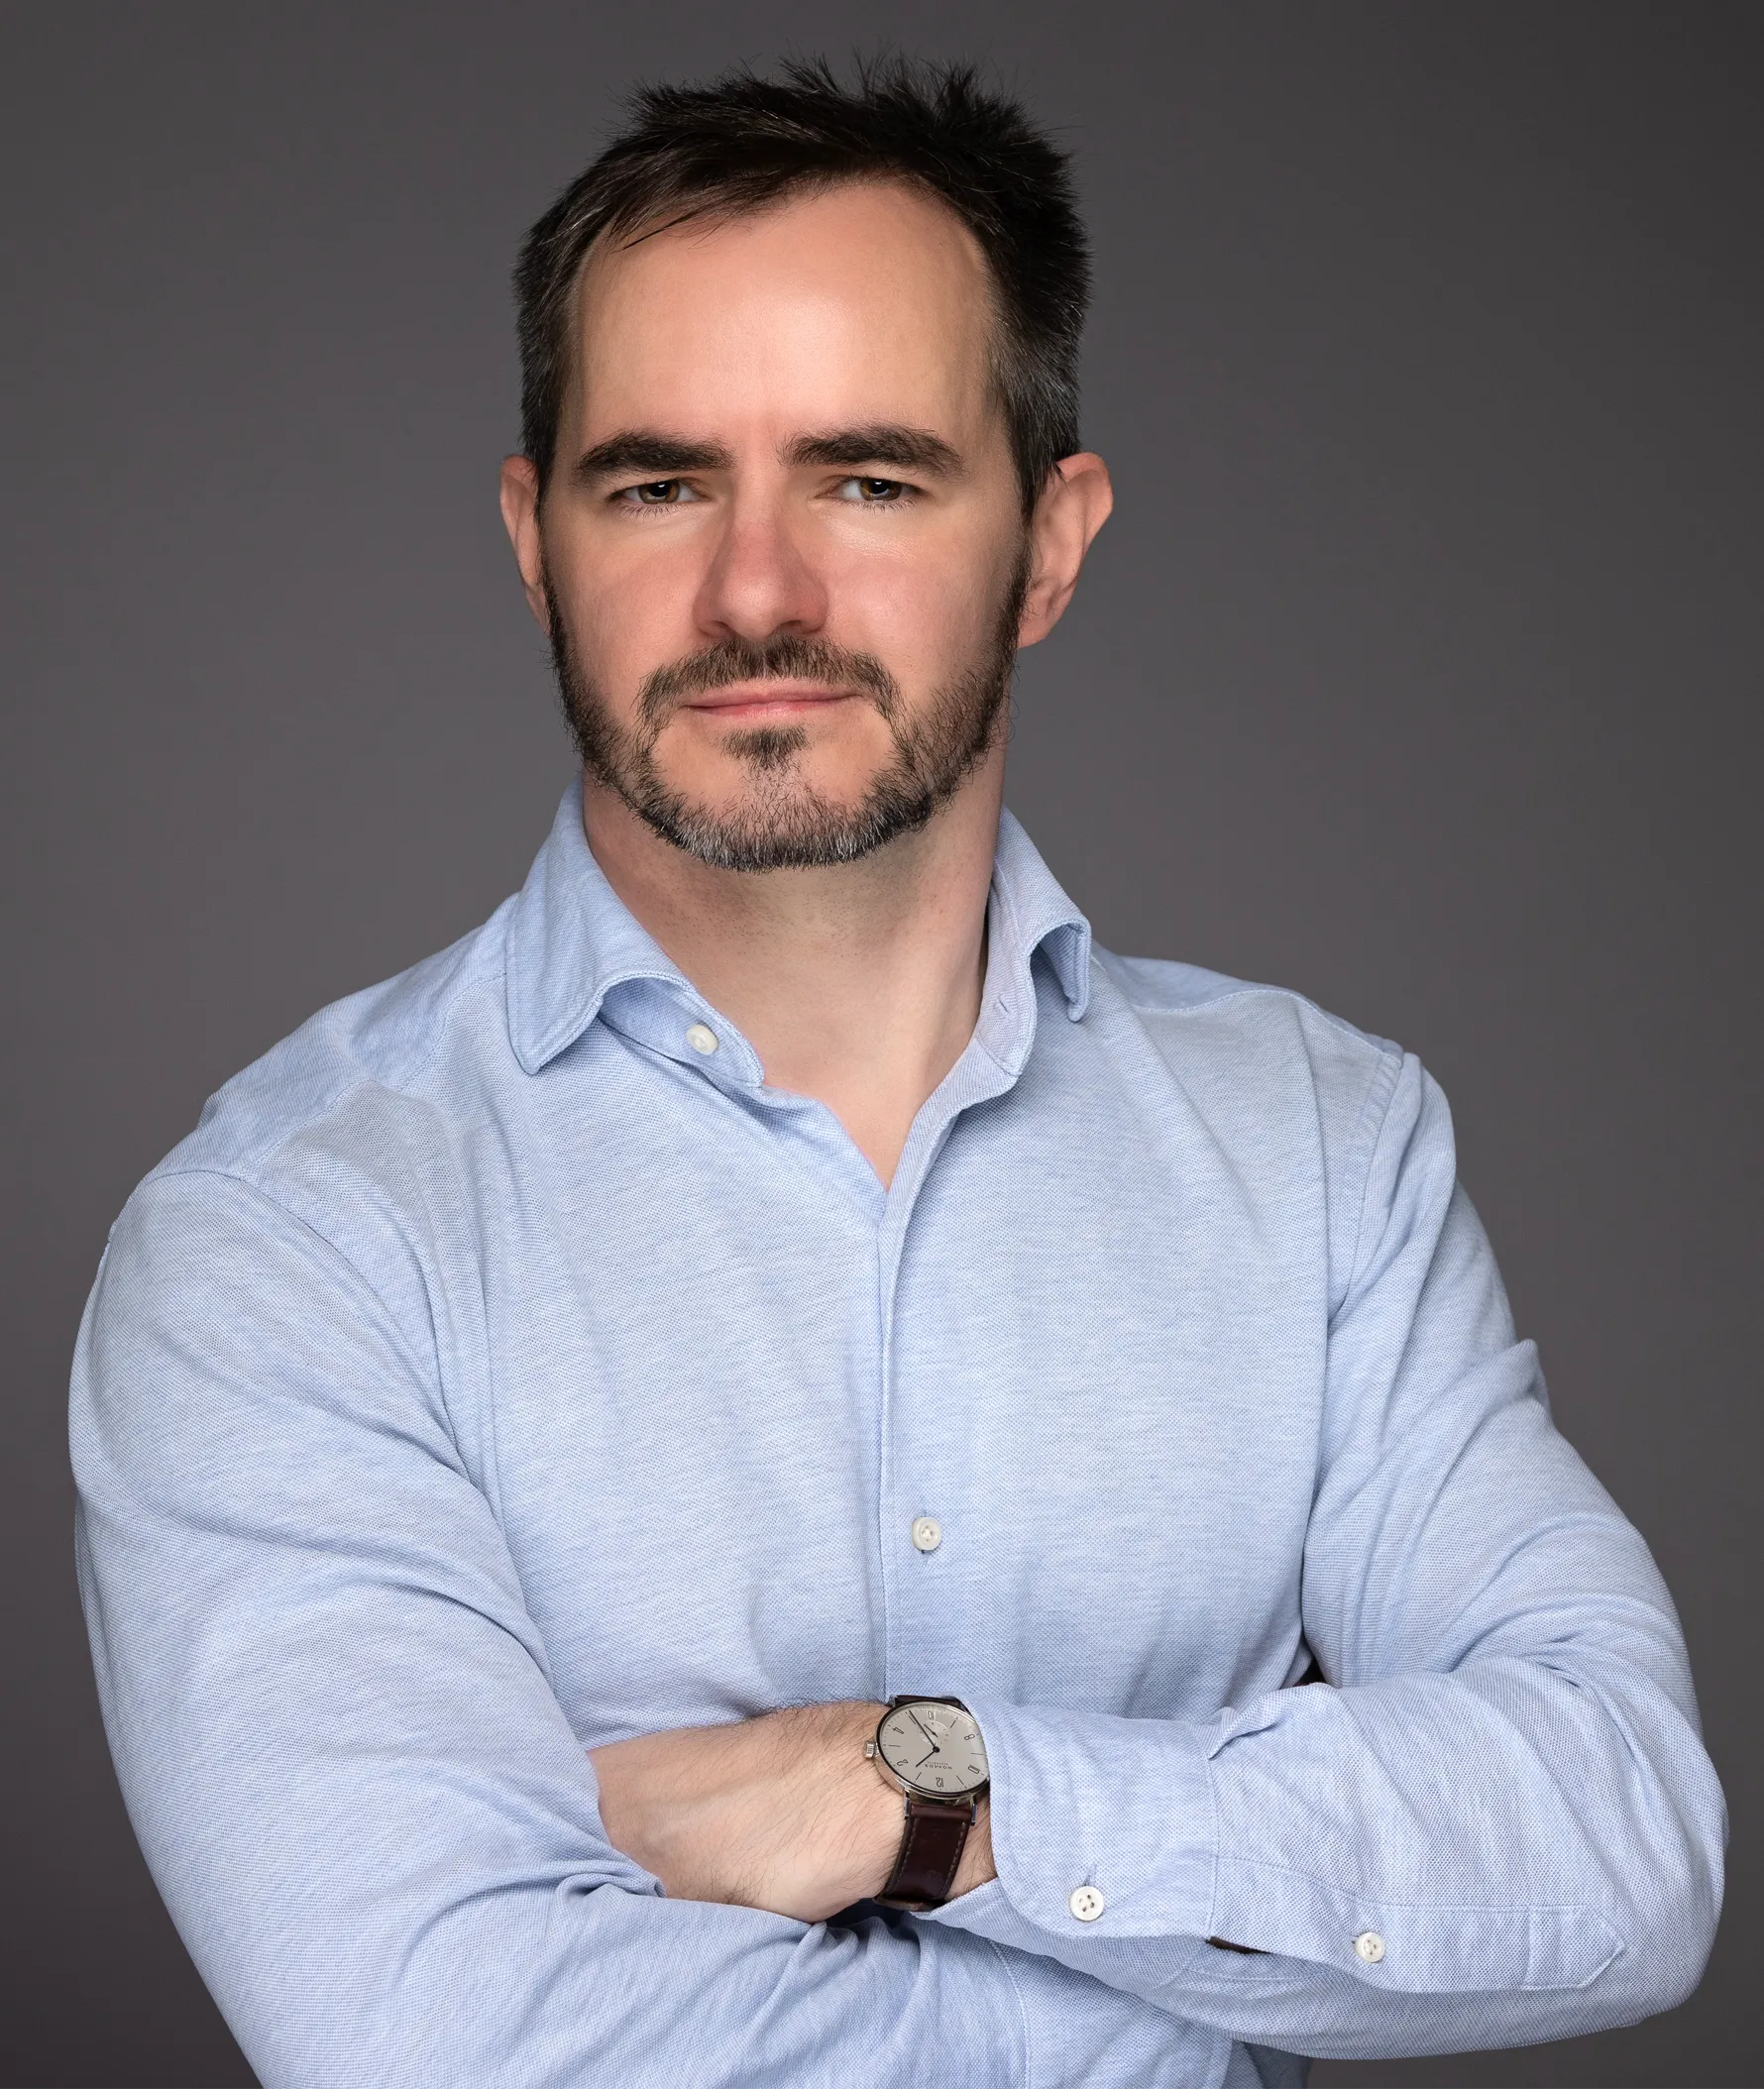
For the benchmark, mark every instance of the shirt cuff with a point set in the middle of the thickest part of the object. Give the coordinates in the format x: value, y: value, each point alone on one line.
x: 1079, y: 2032
x: 1102, y: 1828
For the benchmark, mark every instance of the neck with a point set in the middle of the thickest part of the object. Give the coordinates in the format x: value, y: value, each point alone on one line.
x: 857, y: 984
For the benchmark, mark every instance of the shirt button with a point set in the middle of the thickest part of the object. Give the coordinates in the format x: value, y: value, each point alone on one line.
x: 701, y: 1038
x: 928, y: 1533
x: 1371, y: 1946
x: 1086, y: 1903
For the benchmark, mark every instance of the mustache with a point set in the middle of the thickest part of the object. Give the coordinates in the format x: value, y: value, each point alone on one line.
x: 786, y: 656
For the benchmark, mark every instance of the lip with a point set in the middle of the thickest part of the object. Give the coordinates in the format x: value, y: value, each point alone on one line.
x: 744, y: 702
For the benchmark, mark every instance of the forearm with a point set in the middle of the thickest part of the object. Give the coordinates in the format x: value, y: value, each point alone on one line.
x: 1502, y: 1834
x: 784, y: 1813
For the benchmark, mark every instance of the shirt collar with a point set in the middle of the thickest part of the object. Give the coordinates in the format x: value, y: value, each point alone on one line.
x: 1030, y: 913
x: 572, y: 939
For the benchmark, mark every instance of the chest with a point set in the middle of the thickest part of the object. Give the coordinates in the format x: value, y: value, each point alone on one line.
x: 730, y: 1403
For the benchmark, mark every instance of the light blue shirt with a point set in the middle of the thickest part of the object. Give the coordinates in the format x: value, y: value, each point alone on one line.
x: 503, y: 1368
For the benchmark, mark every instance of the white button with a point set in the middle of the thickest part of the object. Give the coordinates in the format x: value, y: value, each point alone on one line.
x: 1371, y: 1946
x: 1086, y: 1903
x: 701, y: 1038
x: 928, y: 1533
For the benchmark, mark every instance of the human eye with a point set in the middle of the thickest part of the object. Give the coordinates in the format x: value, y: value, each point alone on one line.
x: 866, y: 491
x: 655, y: 492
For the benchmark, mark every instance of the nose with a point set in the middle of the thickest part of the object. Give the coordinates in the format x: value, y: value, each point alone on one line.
x: 761, y: 580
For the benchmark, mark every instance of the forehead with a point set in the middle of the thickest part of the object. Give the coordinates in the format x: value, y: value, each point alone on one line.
x: 862, y: 304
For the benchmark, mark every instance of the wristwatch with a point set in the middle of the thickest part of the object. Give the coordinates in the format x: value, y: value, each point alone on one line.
x: 929, y: 1749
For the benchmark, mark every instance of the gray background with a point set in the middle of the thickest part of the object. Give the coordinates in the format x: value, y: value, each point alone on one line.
x: 1419, y: 670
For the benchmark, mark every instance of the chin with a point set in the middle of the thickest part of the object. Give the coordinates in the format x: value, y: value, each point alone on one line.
x: 731, y: 790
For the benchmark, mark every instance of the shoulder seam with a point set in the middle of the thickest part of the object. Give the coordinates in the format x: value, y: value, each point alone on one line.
x: 362, y: 1079
x: 305, y: 1225
x: 1384, y: 1047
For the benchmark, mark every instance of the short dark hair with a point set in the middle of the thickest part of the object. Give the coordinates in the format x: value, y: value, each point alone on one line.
x: 737, y: 144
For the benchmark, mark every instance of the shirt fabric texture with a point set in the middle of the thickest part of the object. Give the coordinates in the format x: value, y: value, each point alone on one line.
x: 497, y: 1371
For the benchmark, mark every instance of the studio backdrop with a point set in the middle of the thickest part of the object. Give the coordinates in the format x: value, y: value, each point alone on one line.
x: 1419, y: 670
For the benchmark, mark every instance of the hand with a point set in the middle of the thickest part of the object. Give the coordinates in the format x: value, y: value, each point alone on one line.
x: 783, y: 1813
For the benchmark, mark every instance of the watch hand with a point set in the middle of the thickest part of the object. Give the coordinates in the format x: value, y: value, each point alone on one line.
x: 923, y: 1759
x: 923, y: 1728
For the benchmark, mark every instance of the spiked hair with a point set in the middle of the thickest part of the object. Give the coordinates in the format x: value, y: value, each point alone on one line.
x: 742, y: 143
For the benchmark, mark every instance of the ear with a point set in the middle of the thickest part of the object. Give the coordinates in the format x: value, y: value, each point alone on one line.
x: 1074, y: 504
x: 520, y: 517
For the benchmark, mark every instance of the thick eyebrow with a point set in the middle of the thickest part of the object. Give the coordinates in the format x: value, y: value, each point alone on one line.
x: 885, y: 442
x: 648, y: 450
x: 651, y: 450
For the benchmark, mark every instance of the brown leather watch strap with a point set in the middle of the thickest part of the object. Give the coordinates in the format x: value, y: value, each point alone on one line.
x: 930, y: 1850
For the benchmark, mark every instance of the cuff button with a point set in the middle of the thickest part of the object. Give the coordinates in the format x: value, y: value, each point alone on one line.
x: 1370, y: 1945
x: 1086, y: 1903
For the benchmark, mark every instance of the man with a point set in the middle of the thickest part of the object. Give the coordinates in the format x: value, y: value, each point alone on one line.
x: 774, y: 1469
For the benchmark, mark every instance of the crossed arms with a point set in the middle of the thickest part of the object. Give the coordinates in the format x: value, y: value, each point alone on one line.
x: 340, y: 1745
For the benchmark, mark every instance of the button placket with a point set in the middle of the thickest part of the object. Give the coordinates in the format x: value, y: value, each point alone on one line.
x: 925, y: 1632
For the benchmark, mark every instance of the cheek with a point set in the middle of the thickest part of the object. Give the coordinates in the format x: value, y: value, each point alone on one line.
x: 927, y: 608
x: 632, y: 612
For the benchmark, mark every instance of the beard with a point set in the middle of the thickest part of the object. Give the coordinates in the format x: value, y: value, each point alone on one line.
x: 780, y: 821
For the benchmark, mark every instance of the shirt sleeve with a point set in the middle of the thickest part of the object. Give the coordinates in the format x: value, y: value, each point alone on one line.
x: 339, y: 1745
x: 1496, y: 1822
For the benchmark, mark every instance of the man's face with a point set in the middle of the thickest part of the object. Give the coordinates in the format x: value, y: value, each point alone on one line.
x: 783, y: 548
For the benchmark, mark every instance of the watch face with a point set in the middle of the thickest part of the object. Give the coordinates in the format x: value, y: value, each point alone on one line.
x: 933, y: 1748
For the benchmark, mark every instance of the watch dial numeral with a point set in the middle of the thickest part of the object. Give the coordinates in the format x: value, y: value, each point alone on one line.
x: 919, y: 1736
